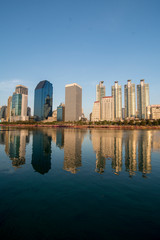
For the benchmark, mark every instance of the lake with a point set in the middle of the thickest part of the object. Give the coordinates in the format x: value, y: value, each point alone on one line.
x: 79, y: 184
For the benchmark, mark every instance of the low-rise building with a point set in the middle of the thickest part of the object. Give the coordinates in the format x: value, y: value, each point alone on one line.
x: 153, y: 112
x: 61, y: 112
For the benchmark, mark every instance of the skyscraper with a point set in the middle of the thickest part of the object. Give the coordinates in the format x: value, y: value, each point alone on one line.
x: 117, y: 96
x: 142, y: 99
x: 130, y: 100
x: 100, y: 93
x: 43, y: 98
x: 73, y: 102
x: 9, y: 108
x: 19, y: 104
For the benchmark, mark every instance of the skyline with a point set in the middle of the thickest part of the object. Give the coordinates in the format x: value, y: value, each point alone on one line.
x: 79, y: 42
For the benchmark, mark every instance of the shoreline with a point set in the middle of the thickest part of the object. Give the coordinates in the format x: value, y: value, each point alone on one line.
x: 81, y: 126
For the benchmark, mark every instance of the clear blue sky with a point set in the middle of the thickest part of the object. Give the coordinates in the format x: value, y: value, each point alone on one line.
x: 82, y: 41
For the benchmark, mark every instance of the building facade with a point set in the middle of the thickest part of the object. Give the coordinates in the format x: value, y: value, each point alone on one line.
x: 73, y: 102
x: 9, y: 108
x: 43, y: 100
x: 61, y: 112
x: 130, y: 100
x: 142, y: 99
x: 107, y: 109
x: 96, y: 111
x: 19, y: 104
x: 153, y: 112
x: 100, y: 93
x: 117, y: 97
x: 3, y: 113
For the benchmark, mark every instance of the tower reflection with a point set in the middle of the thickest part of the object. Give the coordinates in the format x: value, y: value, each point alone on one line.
x: 15, y: 146
x: 107, y: 145
x: 72, y: 149
x: 131, y: 152
x: 41, y: 152
x: 144, y: 152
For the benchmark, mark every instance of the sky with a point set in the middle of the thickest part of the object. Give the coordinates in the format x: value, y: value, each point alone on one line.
x: 79, y: 41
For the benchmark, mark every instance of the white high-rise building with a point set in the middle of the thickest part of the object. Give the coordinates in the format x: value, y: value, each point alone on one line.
x: 96, y: 112
x: 107, y: 109
x: 130, y: 100
x: 73, y: 102
x: 100, y: 93
x: 142, y: 99
x: 117, y: 96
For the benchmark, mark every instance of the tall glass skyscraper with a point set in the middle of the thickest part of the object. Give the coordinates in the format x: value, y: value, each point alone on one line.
x: 142, y: 99
x: 117, y: 96
x: 43, y: 98
x: 19, y: 103
x: 130, y: 100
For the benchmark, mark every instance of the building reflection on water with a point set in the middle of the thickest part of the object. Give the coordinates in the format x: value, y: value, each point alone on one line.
x: 121, y: 150
x: 41, y: 152
x: 107, y: 145
x: 15, y: 145
x: 131, y: 152
x: 72, y: 149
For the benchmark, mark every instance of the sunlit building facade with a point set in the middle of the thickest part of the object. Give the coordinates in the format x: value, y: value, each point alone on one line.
x: 73, y: 102
x: 142, y: 99
x: 130, y: 100
x: 100, y: 93
x: 43, y: 100
x: 107, y: 109
x: 117, y: 96
x: 96, y: 111
x: 9, y: 108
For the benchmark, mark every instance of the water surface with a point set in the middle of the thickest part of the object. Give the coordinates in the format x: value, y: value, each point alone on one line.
x: 79, y: 184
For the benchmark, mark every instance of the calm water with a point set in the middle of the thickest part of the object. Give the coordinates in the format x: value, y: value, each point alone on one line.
x: 79, y: 184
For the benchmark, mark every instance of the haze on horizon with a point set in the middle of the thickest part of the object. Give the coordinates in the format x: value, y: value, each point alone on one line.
x: 79, y: 41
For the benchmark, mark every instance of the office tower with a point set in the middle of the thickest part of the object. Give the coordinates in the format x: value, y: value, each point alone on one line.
x: 19, y: 104
x: 73, y: 102
x: 60, y: 112
x: 117, y: 96
x: 107, y: 109
x: 96, y: 111
x: 100, y: 93
x: 3, y: 113
x: 130, y: 100
x: 142, y: 99
x: 9, y: 108
x: 43, y: 98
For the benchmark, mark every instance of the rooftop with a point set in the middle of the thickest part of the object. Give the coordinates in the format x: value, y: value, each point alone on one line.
x: 73, y: 84
x: 41, y: 84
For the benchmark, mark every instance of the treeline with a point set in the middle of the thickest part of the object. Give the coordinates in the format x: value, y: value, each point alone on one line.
x: 119, y: 123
